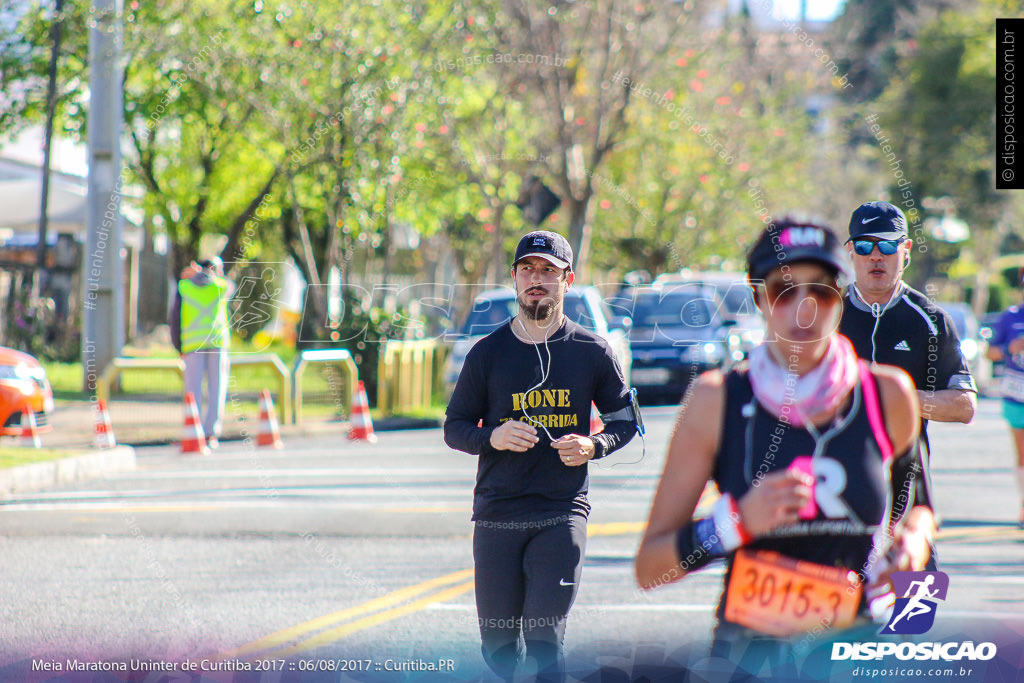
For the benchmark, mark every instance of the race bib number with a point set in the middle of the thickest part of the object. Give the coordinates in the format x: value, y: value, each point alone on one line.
x: 1013, y: 386
x: 780, y: 596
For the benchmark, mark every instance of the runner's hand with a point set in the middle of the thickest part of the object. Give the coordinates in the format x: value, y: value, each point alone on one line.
x: 514, y: 436
x: 911, y: 545
x: 574, y: 450
x: 776, y: 501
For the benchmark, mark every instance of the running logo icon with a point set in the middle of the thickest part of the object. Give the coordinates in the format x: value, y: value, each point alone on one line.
x: 914, y: 612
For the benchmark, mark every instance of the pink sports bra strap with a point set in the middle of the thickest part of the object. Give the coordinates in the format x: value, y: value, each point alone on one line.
x: 869, y: 388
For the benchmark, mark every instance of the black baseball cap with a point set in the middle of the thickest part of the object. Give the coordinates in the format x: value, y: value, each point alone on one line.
x: 787, y: 242
x: 881, y: 220
x: 548, y: 245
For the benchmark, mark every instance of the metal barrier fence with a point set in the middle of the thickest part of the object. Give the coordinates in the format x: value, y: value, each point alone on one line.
x: 147, y: 404
x: 408, y: 372
x: 337, y: 396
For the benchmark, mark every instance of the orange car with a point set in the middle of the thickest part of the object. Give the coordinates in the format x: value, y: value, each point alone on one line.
x: 23, y: 382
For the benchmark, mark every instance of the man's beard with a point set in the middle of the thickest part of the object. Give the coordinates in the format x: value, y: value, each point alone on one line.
x: 536, y: 310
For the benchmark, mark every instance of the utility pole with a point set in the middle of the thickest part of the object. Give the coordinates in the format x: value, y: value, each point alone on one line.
x: 102, y: 270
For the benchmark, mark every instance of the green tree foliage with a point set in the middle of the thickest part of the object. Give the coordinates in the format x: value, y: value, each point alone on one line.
x: 328, y: 133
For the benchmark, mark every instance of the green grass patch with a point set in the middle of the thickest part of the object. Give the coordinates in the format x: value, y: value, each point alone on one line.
x: 432, y: 412
x: 13, y: 457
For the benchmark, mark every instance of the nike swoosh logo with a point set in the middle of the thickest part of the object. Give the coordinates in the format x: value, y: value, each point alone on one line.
x: 868, y: 220
x: 561, y: 582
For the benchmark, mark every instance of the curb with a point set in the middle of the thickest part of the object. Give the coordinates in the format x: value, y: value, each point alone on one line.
x: 89, y: 465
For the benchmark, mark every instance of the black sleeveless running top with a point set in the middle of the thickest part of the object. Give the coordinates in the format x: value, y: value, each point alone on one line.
x: 852, y: 490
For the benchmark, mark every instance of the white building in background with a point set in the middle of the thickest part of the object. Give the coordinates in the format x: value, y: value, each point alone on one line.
x: 21, y: 179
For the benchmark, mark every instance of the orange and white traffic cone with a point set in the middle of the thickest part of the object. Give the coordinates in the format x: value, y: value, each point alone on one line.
x: 596, y: 425
x: 362, y: 426
x: 193, y: 440
x: 104, y: 431
x: 269, y: 435
x: 29, y: 429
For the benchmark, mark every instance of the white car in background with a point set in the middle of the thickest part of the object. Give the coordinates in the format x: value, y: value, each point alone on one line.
x: 493, y: 308
x: 973, y: 344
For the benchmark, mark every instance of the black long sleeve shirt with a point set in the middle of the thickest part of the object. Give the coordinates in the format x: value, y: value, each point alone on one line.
x: 491, y: 390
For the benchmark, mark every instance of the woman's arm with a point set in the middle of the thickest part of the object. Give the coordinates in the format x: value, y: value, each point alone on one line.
x: 688, y: 466
x: 912, y: 540
x: 899, y: 403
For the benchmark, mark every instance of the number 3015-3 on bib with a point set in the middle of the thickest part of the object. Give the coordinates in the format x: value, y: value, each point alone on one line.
x: 781, y: 596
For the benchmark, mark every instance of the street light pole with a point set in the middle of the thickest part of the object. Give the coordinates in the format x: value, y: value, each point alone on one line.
x: 102, y: 270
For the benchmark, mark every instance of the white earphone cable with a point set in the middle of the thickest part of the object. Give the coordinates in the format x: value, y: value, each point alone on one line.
x: 544, y: 372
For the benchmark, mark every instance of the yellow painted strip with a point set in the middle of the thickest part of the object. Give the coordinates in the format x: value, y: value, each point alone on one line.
x: 328, y: 637
x: 434, y: 509
x: 979, y: 531
x: 175, y: 508
x: 615, y: 528
x: 117, y: 509
x: 278, y: 639
x: 707, y: 499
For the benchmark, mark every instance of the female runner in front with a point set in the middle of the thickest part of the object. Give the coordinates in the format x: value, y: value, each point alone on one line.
x: 800, y: 441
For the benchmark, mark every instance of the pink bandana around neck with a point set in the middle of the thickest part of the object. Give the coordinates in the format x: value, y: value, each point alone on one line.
x: 788, y: 395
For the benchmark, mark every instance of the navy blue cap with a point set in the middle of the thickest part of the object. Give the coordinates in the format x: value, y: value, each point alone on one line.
x: 548, y: 245
x: 881, y: 220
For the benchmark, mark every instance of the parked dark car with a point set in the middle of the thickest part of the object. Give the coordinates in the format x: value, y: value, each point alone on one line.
x: 737, y: 304
x: 678, y: 332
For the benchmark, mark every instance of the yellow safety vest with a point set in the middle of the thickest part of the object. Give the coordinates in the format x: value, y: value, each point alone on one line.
x: 204, y: 315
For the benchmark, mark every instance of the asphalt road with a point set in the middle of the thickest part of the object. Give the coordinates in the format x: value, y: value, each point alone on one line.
x: 356, y: 557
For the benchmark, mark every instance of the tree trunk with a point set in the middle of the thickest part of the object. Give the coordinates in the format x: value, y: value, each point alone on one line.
x: 499, y: 263
x: 579, y: 233
x: 234, y: 250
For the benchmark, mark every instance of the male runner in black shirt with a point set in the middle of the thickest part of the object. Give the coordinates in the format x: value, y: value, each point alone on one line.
x: 892, y: 323
x: 531, y: 383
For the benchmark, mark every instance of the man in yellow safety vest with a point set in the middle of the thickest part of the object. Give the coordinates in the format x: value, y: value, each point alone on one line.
x: 200, y: 332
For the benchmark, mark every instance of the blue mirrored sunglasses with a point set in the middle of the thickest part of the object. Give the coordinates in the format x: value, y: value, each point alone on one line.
x: 886, y: 247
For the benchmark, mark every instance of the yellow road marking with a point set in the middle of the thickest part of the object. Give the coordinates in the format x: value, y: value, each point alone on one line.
x: 328, y: 637
x: 434, y: 509
x: 615, y: 528
x: 278, y: 639
x: 174, y: 508
x: 275, y: 641
x: 117, y: 509
x: 993, y: 530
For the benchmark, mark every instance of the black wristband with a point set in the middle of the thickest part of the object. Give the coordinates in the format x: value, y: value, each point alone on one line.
x: 691, y: 554
x: 598, y: 447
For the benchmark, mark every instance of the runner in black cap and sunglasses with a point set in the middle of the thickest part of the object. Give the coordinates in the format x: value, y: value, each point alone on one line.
x: 890, y: 322
x: 803, y: 441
